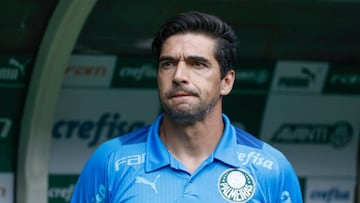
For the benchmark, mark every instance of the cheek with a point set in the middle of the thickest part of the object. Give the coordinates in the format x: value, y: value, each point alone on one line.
x: 209, y: 89
x: 160, y: 81
x: 162, y: 85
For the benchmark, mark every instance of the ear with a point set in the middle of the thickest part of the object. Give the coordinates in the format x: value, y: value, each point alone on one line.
x: 227, y: 82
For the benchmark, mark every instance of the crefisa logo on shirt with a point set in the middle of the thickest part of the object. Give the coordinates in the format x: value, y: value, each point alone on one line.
x: 236, y: 185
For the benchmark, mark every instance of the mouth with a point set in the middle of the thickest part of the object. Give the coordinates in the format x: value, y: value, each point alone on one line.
x: 181, y: 97
x: 181, y: 94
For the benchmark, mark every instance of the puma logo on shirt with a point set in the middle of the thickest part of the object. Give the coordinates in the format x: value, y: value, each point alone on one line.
x: 147, y: 182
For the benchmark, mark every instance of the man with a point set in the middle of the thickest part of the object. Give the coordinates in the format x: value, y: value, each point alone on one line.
x: 191, y: 153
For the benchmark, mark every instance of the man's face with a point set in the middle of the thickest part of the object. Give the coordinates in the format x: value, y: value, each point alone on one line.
x: 188, y: 77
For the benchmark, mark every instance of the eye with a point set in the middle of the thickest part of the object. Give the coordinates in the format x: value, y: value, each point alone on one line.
x: 198, y: 64
x: 167, y: 64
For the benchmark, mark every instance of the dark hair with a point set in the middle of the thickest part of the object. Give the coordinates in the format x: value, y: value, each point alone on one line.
x: 209, y: 25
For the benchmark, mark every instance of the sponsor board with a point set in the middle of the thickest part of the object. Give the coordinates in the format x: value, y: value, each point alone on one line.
x: 86, y: 118
x: 5, y: 125
x: 61, y: 188
x: 338, y: 135
x: 14, y: 69
x: 245, y: 111
x: 314, y: 132
x: 330, y: 190
x: 89, y: 70
x: 299, y: 76
x: 7, y: 145
x: 253, y: 77
x: 343, y: 80
x: 132, y: 72
x: 6, y: 187
x: 11, y: 107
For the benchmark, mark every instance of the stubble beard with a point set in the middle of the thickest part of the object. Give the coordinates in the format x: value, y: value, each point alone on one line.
x: 196, y: 113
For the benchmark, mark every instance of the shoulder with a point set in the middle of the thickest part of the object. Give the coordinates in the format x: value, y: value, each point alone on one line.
x: 269, y: 167
x: 118, y: 143
x: 245, y: 138
x: 137, y: 136
x: 263, y: 150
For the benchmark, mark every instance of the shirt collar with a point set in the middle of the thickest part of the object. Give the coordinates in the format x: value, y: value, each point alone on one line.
x: 158, y: 156
x: 225, y: 151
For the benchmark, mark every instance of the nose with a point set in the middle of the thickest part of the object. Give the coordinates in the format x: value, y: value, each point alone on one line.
x: 181, y: 73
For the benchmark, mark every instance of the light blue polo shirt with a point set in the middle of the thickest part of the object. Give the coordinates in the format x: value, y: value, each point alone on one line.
x: 137, y: 167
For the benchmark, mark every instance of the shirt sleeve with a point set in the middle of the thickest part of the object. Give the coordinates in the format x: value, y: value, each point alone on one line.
x: 289, y: 190
x: 92, y: 184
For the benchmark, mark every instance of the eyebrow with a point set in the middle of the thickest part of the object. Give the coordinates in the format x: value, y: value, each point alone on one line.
x: 198, y: 59
x: 167, y: 58
x: 189, y: 58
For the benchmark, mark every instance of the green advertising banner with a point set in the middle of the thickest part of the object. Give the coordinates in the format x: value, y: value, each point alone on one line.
x: 253, y: 77
x: 15, y: 69
x: 14, y: 76
x: 343, y: 80
x: 135, y: 72
x: 12, y: 101
x: 61, y: 188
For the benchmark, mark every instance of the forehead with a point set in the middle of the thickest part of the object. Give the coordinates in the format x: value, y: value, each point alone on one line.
x: 189, y: 44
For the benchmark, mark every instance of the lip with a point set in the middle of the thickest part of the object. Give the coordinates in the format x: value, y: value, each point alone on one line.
x: 181, y: 94
x: 181, y: 98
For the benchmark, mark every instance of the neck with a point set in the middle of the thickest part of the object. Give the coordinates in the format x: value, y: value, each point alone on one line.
x: 192, y: 143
